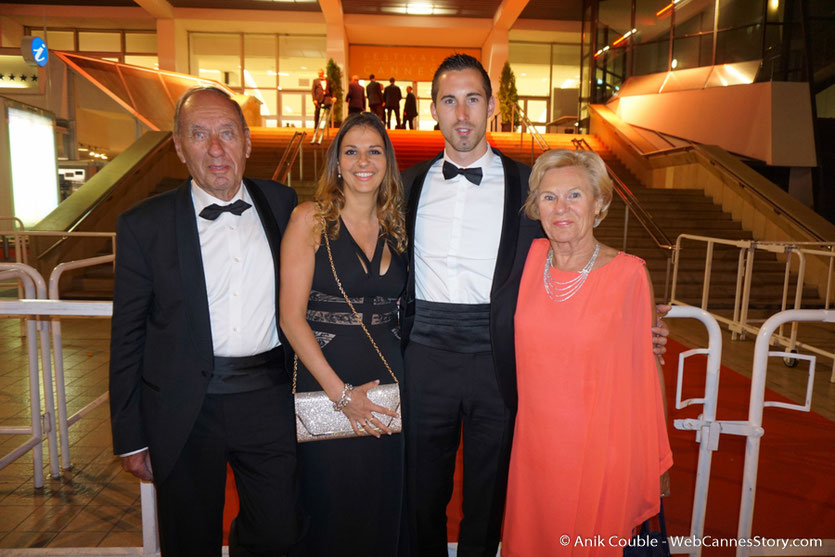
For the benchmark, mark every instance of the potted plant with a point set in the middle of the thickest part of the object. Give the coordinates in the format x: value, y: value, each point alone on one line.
x: 334, y: 73
x: 508, y: 100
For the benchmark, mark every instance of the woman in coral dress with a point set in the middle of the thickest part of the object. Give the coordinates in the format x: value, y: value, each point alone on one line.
x: 590, y: 444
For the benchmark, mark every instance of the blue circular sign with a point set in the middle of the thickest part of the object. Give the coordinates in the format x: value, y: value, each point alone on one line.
x: 39, y: 51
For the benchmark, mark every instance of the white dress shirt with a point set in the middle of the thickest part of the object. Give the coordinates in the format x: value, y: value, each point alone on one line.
x: 240, y: 278
x: 457, y: 232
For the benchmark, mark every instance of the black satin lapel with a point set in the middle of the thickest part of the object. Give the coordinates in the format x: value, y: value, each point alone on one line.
x: 510, y: 222
x: 270, y: 226
x: 192, y: 275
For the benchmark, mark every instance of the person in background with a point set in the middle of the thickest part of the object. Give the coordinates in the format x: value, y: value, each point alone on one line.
x: 322, y: 95
x: 410, y: 108
x: 392, y: 97
x: 356, y: 96
x: 197, y: 378
x: 374, y: 92
x: 590, y: 444
x: 352, y: 488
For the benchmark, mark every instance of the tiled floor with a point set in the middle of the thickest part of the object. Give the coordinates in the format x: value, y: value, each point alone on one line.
x: 96, y: 504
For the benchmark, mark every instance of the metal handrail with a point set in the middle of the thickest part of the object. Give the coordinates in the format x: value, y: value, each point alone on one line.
x: 662, y: 241
x: 777, y: 208
x: 288, y: 158
x: 535, y: 135
x: 325, y: 123
x: 560, y: 120
x: 741, y: 182
x: 739, y: 323
x: 80, y: 220
x: 62, y: 235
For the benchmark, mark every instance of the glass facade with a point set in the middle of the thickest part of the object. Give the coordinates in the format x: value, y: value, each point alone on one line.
x: 135, y: 47
x: 625, y: 38
x: 547, y: 79
x: 278, y: 70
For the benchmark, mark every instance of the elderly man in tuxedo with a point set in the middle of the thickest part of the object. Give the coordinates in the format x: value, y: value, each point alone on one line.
x: 322, y: 93
x: 196, y: 365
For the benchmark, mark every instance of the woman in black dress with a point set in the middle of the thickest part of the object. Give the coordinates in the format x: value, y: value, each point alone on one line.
x: 351, y: 488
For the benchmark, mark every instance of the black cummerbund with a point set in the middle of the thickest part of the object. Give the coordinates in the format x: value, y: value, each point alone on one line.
x: 247, y: 373
x: 461, y: 328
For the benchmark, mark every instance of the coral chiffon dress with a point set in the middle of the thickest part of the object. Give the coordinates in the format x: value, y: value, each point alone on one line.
x: 590, y: 441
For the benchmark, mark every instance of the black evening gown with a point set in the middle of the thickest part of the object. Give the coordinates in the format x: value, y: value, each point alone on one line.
x: 352, y: 489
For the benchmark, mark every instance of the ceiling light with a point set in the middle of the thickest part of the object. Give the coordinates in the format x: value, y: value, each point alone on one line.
x: 419, y: 8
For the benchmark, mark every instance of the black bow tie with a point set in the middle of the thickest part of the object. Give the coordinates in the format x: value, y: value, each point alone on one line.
x: 214, y: 210
x: 474, y: 175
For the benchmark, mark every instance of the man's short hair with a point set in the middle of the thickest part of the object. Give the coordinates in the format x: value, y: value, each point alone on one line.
x: 459, y: 62
x: 211, y: 89
x: 391, y: 80
x: 371, y: 76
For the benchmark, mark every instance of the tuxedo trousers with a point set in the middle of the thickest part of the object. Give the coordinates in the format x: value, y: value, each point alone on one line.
x: 450, y: 397
x: 255, y: 433
x: 396, y: 110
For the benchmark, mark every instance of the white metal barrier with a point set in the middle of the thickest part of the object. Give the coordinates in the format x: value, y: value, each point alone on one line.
x: 35, y: 429
x: 57, y: 345
x: 708, y: 429
x: 707, y: 434
x: 740, y: 324
x: 753, y: 429
x: 42, y: 326
x: 30, y: 306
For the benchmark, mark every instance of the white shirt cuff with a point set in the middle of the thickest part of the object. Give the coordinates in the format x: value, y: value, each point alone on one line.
x: 134, y: 452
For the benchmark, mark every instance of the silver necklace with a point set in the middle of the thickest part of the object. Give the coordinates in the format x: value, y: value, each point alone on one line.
x: 562, y: 291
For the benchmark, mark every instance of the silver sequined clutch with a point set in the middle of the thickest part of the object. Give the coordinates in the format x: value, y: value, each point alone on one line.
x: 316, y: 420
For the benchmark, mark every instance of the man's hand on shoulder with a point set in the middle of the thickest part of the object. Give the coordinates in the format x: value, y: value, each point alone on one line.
x: 660, y: 332
x: 139, y: 465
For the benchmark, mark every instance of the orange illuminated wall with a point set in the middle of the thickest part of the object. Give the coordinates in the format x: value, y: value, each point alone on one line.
x: 402, y: 63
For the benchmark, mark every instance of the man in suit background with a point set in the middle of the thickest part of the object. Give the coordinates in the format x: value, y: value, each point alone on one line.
x: 410, y: 108
x: 374, y: 91
x: 392, y: 97
x: 468, y: 241
x: 356, y: 96
x: 196, y: 373
x: 322, y: 95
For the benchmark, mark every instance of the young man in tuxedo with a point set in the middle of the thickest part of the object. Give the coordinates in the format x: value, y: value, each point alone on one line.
x: 468, y: 241
x: 196, y: 365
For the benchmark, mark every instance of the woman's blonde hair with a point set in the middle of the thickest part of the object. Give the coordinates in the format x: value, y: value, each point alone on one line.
x: 330, y: 196
x: 588, y: 161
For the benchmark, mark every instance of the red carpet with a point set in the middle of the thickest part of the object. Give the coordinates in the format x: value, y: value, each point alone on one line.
x: 796, y: 481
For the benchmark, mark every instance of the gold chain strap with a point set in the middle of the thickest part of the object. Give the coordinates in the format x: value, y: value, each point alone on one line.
x: 353, y: 310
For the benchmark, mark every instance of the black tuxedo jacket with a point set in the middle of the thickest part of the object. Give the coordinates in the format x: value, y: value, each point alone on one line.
x: 161, y: 351
x: 392, y: 96
x: 410, y: 107
x: 356, y: 96
x: 374, y: 92
x: 320, y: 94
x: 518, y: 231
